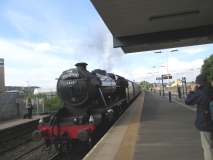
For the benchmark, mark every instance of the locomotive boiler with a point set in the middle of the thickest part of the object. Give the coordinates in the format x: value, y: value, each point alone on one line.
x: 89, y: 99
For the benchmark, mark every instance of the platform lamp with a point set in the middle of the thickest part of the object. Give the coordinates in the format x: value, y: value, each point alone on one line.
x: 28, y: 86
x: 151, y: 85
x: 153, y: 67
x: 158, y: 75
x: 156, y: 84
x: 174, y: 50
x: 194, y: 68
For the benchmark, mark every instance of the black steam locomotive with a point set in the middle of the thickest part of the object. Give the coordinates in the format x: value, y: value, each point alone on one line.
x: 89, y: 98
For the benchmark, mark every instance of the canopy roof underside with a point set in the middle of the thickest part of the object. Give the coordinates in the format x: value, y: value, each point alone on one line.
x: 141, y: 25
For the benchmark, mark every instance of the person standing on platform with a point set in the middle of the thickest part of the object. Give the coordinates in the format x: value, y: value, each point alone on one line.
x: 29, y: 106
x: 197, y: 96
x: 179, y: 91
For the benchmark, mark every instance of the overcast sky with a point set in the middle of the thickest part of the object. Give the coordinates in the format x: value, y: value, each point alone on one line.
x: 40, y: 39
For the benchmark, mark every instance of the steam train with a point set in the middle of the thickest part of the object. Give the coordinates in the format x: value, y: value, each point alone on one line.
x: 89, y: 98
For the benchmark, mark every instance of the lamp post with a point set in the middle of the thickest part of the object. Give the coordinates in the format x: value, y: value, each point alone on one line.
x: 174, y: 50
x: 28, y: 85
x: 145, y: 83
x: 151, y: 85
x: 153, y: 74
x: 158, y: 74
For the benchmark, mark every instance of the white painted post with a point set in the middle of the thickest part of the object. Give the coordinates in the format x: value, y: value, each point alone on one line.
x: 43, y: 104
x: 37, y: 105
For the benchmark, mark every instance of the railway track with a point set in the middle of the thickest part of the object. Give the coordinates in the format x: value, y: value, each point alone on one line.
x: 14, y: 146
x: 75, y: 155
x: 81, y: 153
x: 18, y: 130
x: 17, y: 134
x: 31, y: 150
x: 15, y: 138
x: 56, y: 156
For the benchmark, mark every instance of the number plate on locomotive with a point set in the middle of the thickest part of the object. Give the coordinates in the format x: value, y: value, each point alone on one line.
x: 71, y: 82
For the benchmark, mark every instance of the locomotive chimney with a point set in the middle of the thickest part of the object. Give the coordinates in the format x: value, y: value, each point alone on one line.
x: 81, y: 66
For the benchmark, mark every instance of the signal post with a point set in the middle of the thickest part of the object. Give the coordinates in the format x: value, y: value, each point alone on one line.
x: 159, y: 78
x: 167, y: 76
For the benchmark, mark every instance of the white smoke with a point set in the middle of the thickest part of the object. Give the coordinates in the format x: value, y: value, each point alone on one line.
x: 101, y: 47
x: 107, y: 48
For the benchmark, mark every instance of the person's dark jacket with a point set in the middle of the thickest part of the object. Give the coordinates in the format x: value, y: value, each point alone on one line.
x: 198, y: 97
x: 178, y: 89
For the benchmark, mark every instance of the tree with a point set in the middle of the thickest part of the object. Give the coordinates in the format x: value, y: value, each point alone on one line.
x: 52, y: 103
x: 145, y: 85
x: 207, y: 68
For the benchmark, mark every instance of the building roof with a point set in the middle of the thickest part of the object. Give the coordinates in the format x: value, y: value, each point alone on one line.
x: 44, y: 90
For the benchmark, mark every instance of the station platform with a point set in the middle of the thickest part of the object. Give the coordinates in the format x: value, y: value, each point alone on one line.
x: 152, y: 129
x: 19, y: 121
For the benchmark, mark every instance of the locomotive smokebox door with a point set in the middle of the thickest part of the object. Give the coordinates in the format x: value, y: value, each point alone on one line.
x: 73, y: 87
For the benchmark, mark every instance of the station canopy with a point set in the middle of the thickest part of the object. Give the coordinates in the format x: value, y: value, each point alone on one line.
x: 144, y: 25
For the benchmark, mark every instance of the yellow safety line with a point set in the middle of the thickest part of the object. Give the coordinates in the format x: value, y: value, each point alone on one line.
x: 126, y: 150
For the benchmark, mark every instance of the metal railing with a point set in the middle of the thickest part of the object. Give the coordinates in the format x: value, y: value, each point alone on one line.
x: 38, y: 106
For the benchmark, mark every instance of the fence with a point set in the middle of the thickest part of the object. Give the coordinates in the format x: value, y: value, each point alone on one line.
x: 12, y: 105
x: 8, y: 105
x: 38, y: 107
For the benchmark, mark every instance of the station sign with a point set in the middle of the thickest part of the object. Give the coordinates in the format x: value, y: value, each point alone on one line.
x: 159, y: 78
x: 40, y: 102
x: 166, y: 77
x: 183, y: 79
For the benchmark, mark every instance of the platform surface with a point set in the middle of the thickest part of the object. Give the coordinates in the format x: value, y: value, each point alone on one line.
x: 18, y: 121
x: 152, y: 129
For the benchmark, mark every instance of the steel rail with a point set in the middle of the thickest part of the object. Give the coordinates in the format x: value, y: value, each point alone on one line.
x: 30, y: 151
x: 56, y: 155
x: 1, y: 152
x: 17, y: 134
